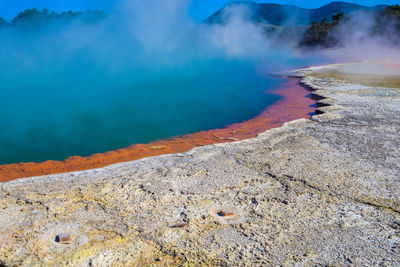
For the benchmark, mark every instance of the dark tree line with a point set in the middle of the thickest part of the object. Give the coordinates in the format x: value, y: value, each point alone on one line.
x: 3, y: 22
x: 320, y: 34
x: 324, y: 33
x: 36, y: 18
x: 386, y: 25
x: 392, y: 11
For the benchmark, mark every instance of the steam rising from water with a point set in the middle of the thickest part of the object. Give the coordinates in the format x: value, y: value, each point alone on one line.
x: 369, y: 36
x: 145, y: 72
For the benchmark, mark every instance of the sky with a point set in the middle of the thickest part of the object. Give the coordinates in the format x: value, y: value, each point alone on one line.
x: 199, y: 9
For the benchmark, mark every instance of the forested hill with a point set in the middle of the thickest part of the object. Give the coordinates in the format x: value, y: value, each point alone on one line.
x: 330, y: 32
x: 332, y: 25
x: 327, y: 26
x: 34, y: 17
x: 291, y: 15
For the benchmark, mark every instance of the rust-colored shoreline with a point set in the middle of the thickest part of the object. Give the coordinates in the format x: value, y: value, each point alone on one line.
x: 295, y: 104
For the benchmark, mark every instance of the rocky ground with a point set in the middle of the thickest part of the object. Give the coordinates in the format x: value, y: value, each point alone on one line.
x: 320, y: 191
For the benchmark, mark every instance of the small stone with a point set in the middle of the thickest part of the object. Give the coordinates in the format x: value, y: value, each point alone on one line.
x: 63, y: 238
x: 179, y: 225
x: 159, y: 259
x: 224, y: 213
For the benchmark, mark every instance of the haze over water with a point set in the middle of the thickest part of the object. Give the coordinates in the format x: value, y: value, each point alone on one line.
x: 78, y: 88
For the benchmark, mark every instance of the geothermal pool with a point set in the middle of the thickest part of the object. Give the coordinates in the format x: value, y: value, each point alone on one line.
x: 54, y: 114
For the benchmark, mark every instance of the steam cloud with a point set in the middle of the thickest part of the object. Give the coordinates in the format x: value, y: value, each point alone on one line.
x: 150, y: 33
x: 142, y: 44
x: 368, y: 36
x: 145, y: 72
x: 159, y: 34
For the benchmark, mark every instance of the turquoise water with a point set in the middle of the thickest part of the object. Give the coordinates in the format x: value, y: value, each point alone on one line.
x: 56, y: 111
x: 146, y: 72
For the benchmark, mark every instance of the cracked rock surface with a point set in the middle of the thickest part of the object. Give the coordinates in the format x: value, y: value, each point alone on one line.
x: 319, y: 191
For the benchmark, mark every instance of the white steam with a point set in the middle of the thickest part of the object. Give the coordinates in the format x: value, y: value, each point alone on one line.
x: 362, y: 37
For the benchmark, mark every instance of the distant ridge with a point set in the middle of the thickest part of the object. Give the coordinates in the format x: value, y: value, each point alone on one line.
x: 33, y: 18
x: 277, y: 14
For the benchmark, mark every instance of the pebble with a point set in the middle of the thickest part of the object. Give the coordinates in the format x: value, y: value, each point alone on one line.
x: 223, y: 213
x: 179, y: 225
x: 63, y: 238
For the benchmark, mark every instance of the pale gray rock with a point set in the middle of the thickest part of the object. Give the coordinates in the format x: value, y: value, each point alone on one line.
x: 324, y: 191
